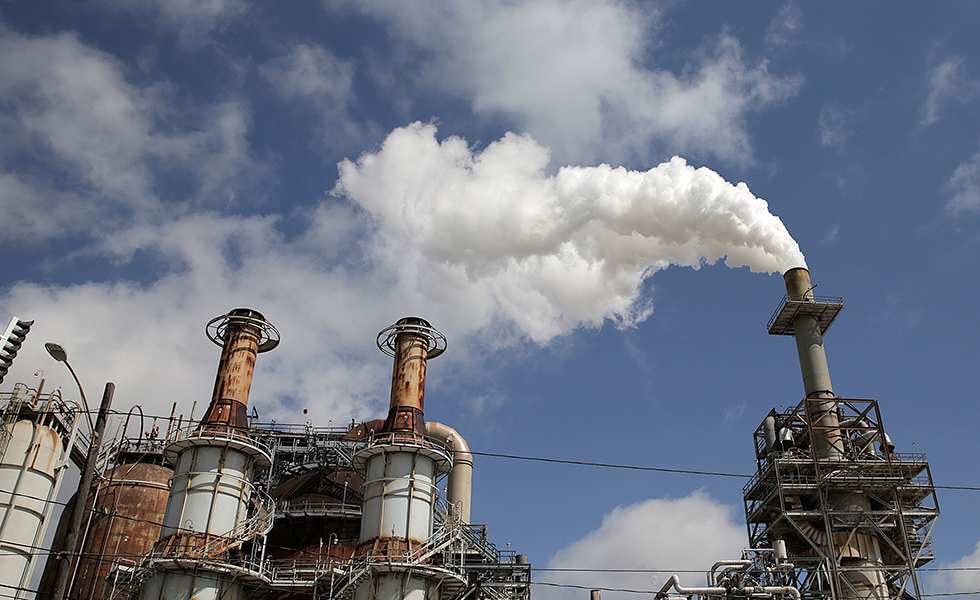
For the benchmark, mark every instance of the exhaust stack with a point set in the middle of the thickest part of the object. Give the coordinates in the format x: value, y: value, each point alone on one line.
x: 214, y: 505
x: 411, y: 341
x: 242, y: 334
x: 400, y: 468
x: 807, y: 317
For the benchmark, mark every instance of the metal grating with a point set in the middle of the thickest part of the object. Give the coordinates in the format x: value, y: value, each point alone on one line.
x: 825, y: 308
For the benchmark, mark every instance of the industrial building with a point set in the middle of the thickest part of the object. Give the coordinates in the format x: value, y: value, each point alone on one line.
x: 227, y: 508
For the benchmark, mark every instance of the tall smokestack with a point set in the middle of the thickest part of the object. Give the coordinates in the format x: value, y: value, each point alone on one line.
x: 242, y: 334
x: 807, y: 318
x: 214, y: 505
x: 400, y: 468
x: 411, y: 341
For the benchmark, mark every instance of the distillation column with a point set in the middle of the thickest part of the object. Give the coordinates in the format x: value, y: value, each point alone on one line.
x: 213, y: 506
x: 400, y: 468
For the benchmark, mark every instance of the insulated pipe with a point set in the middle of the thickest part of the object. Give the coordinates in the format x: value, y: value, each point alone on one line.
x: 712, y: 580
x: 461, y: 476
x: 813, y: 364
x: 675, y: 583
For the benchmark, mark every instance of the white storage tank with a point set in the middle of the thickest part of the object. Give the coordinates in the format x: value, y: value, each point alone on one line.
x: 36, y: 435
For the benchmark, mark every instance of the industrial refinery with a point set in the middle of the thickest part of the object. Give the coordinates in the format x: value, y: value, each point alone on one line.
x: 228, y: 508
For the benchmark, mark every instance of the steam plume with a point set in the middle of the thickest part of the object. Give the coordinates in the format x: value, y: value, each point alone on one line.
x: 492, y: 228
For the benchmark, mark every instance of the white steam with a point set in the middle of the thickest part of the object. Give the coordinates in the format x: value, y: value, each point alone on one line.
x: 491, y: 230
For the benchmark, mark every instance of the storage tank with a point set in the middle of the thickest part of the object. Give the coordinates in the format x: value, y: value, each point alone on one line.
x: 35, y: 437
x: 124, y: 512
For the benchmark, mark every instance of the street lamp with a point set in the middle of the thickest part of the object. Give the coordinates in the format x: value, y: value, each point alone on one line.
x: 63, y: 573
x: 58, y: 353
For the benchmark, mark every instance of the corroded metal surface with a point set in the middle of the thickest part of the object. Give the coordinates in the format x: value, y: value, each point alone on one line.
x: 126, y: 509
x: 235, y: 369
x: 408, y: 379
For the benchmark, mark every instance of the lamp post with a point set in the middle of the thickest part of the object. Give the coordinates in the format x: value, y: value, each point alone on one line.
x: 88, y: 473
x: 58, y: 353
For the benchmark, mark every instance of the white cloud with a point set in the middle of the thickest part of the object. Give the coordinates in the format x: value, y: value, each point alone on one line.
x: 834, y: 128
x: 577, y: 75
x: 491, y: 232
x: 106, y: 144
x: 193, y: 20
x: 948, y: 80
x: 966, y: 580
x: 785, y: 26
x: 325, y: 84
x: 964, y: 185
x: 682, y: 534
x: 313, y: 73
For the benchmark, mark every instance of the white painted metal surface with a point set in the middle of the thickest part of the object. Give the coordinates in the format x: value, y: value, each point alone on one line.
x: 210, y: 489
x: 28, y: 474
x: 399, y: 492
x: 398, y: 586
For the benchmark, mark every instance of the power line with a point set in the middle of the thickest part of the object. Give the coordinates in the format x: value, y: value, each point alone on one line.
x: 610, y: 465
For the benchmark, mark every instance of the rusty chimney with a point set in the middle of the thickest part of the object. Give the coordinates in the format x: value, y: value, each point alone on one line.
x: 242, y: 334
x: 411, y: 341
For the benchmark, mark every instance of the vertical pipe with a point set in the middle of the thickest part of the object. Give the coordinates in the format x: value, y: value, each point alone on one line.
x: 408, y: 377
x: 813, y: 364
x: 229, y: 400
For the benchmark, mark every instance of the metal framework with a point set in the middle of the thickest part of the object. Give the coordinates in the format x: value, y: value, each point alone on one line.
x: 795, y: 498
x: 460, y: 555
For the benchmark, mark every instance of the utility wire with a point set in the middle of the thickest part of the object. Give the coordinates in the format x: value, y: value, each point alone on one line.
x: 659, y: 469
x: 599, y: 464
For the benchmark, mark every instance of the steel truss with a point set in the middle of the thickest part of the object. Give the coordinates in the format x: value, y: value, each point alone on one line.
x: 867, y: 515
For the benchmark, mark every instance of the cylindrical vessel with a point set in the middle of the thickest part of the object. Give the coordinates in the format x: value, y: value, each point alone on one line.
x: 400, y: 585
x: 126, y: 509
x: 192, y: 585
x: 399, y: 491
x: 211, y: 490
x: 27, y: 478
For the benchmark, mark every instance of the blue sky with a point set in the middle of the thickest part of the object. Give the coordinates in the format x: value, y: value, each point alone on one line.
x: 340, y: 164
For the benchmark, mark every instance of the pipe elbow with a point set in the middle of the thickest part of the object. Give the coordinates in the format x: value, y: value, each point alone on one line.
x: 445, y: 433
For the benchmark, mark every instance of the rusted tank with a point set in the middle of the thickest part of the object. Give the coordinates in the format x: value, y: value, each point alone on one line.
x: 123, y: 518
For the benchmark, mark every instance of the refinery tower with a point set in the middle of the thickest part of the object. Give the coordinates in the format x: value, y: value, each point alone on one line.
x: 845, y: 516
x: 229, y: 508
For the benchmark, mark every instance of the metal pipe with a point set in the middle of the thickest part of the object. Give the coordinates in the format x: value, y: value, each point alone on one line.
x: 460, y: 488
x: 242, y: 334
x: 674, y: 582
x: 813, y: 364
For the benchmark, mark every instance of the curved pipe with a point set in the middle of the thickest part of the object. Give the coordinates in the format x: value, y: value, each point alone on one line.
x: 675, y: 583
x: 461, y: 477
x: 712, y: 579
